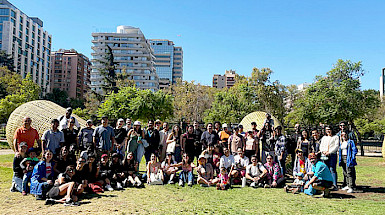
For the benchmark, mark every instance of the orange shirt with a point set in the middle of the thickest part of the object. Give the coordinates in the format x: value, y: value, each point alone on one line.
x: 223, y: 136
x: 26, y: 135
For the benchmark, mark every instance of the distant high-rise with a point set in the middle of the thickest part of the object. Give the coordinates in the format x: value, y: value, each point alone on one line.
x: 168, y: 61
x: 382, y: 84
x: 132, y: 54
x: 24, y: 38
x: 226, y: 80
x: 70, y: 72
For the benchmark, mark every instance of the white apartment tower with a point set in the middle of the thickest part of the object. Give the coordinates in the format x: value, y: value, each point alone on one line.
x: 132, y: 53
x: 24, y: 38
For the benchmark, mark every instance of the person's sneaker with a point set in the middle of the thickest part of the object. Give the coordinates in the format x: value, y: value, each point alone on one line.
x: 334, y: 188
x: 345, y: 188
x: 119, y: 186
x: 286, y: 188
x: 326, y: 193
x: 266, y: 186
x: 50, y: 201
x: 260, y: 185
x: 72, y: 204
x: 190, y: 184
x: 13, y: 187
x: 181, y: 183
x: 109, y: 188
x: 350, y: 190
x: 253, y: 185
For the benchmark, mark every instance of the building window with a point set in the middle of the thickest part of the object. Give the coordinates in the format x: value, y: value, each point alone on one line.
x: 4, y: 11
x: 13, y: 14
x: 4, y: 18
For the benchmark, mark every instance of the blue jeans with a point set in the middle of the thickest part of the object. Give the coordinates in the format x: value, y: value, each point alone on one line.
x: 26, y: 179
x: 282, y: 164
x: 332, y: 164
x: 18, y: 183
x: 186, y: 176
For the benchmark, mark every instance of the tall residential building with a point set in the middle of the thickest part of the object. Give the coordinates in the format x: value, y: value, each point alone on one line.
x: 132, y: 54
x: 71, y: 72
x: 24, y: 38
x: 226, y: 80
x: 168, y: 61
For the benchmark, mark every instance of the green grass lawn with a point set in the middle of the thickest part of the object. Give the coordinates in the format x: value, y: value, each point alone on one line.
x: 170, y: 199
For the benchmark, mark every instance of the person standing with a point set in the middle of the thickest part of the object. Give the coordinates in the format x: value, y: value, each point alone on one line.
x: 158, y: 125
x: 267, y: 139
x: 209, y: 137
x: 292, y: 143
x: 120, y: 137
x: 104, y: 137
x: 85, y: 137
x: 224, y: 136
x: 198, y: 134
x: 65, y: 120
x: 304, y: 143
x: 52, y: 139
x: 26, y: 134
x: 236, y: 141
x: 163, y: 134
x: 152, y: 137
x: 329, y: 147
x: 188, y: 140
x: 280, y: 149
x: 135, y: 137
x: 71, y: 136
x: 175, y: 138
x: 315, y: 141
x: 347, y: 157
x: 128, y: 125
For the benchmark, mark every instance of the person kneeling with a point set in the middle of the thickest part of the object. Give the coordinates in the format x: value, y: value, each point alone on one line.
x: 255, y: 174
x: 322, y: 178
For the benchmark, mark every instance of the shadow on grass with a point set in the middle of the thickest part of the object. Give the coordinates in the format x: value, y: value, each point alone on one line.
x: 369, y: 189
x: 95, y: 195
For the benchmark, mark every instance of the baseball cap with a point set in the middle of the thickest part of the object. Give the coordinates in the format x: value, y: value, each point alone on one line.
x: 104, y: 155
x: 137, y: 123
x: 312, y: 155
x: 201, y: 156
x: 23, y: 144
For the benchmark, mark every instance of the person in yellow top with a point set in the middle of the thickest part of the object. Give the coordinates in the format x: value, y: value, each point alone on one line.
x: 224, y: 135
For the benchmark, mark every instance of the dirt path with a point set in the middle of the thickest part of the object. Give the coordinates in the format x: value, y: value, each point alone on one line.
x: 6, y: 151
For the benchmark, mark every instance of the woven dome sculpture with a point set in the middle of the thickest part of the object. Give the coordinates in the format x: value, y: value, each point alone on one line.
x: 258, y: 117
x: 41, y: 113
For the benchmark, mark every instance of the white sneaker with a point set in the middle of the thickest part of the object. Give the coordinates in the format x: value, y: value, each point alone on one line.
x: 345, y: 188
x: 109, y: 188
x: 119, y: 186
x: 350, y: 190
x: 253, y: 185
x: 181, y: 183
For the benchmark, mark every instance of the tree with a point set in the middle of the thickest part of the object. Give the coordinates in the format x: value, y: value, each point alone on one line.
x: 58, y: 96
x: 190, y: 100
x: 133, y: 103
x: 27, y: 91
x: 6, y: 60
x: 335, y: 97
x: 9, y: 82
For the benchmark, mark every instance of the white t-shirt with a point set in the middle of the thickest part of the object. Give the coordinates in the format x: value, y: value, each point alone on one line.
x: 48, y: 169
x: 344, y: 148
x: 329, y: 144
x: 241, y: 162
x: 256, y: 170
x: 226, y: 162
x: 64, y: 122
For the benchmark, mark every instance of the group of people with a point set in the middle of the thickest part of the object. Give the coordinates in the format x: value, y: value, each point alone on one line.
x: 74, y: 160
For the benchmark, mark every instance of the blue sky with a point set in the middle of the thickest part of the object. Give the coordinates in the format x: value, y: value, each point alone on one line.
x: 296, y: 39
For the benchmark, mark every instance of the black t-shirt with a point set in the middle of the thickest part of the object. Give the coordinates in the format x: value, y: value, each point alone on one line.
x: 129, y: 166
x: 17, y: 168
x: 70, y: 136
x: 152, y: 136
x: 120, y: 134
x: 115, y: 167
x: 81, y: 175
x: 62, y: 164
x: 189, y: 143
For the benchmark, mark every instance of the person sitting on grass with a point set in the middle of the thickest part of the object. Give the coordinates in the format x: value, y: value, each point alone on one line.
x: 297, y: 185
x: 130, y: 170
x: 274, y: 177
x: 223, y: 180
x: 322, y: 178
x: 241, y: 162
x: 169, y: 172
x: 302, y: 164
x: 17, y: 180
x: 81, y: 176
x: 154, y: 171
x: 105, y: 173
x: 62, y: 191
x: 217, y: 154
x: 27, y: 165
x: 117, y: 175
x: 205, y: 172
x: 42, y: 176
x: 255, y: 173
x: 186, y: 176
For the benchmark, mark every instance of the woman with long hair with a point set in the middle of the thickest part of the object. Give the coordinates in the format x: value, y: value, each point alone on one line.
x: 135, y: 137
x: 175, y: 136
x: 304, y: 143
x: 42, y: 176
x: 130, y: 170
x: 187, y: 171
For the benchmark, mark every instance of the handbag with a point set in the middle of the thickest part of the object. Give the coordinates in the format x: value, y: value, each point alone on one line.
x: 171, y: 147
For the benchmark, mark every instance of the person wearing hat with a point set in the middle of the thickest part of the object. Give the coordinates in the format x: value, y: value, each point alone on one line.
x: 64, y: 120
x: 25, y: 134
x: 104, y: 137
x: 321, y: 180
x: 205, y: 172
x: 301, y: 164
x: 85, y: 137
x: 17, y: 179
x: 135, y: 137
x: 224, y: 135
x: 158, y: 125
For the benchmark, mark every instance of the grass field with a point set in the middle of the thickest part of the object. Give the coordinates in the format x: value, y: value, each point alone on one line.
x: 171, y: 199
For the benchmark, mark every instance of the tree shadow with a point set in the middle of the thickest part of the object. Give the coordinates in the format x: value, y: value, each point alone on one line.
x: 369, y: 189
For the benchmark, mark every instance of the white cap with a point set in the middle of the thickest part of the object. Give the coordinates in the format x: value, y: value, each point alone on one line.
x: 137, y: 123
x: 224, y: 125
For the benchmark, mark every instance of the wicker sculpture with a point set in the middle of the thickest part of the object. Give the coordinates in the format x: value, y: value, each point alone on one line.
x: 258, y: 117
x: 41, y: 112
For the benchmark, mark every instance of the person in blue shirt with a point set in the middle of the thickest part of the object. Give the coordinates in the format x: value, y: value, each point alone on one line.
x: 322, y: 178
x: 347, y: 156
x: 104, y: 137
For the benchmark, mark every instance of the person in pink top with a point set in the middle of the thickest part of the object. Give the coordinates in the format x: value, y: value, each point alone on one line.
x: 224, y: 180
x: 274, y: 176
